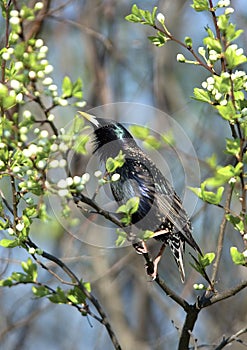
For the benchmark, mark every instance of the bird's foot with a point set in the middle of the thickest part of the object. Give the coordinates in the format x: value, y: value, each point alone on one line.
x: 140, y: 247
x: 152, y: 269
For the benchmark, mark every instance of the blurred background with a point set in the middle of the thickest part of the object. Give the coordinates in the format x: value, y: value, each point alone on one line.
x: 118, y: 64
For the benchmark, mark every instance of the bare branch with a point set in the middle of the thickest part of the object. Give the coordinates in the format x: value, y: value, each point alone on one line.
x: 232, y: 338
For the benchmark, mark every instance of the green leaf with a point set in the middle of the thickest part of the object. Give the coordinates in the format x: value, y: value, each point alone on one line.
x: 202, y: 95
x: 59, y: 297
x: 206, y: 259
x: 237, y: 222
x: 113, y: 163
x: 200, y: 5
x: 80, y: 144
x: 76, y: 295
x: 147, y: 235
x: 67, y: 87
x: 6, y: 282
x: 140, y: 132
x: 142, y: 16
x: 202, y: 262
x: 132, y: 205
x: 213, y: 44
x: 227, y: 112
x: 9, y: 243
x: 168, y: 138
x: 188, y: 41
x: 40, y: 291
x: 208, y: 196
x: 212, y: 161
x: 237, y: 257
x: 152, y: 142
x: 234, y: 57
x: 77, y: 89
x: 233, y: 146
x: 122, y: 236
x: 159, y: 40
x: 30, y: 269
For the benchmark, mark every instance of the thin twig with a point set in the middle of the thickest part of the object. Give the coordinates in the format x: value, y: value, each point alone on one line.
x: 79, y: 284
x: 223, y: 295
x: 232, y: 338
x: 221, y: 237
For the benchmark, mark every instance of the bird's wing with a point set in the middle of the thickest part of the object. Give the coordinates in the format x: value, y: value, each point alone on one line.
x: 170, y: 204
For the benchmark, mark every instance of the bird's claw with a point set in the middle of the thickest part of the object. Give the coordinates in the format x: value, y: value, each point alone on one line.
x: 140, y: 247
x: 151, y: 270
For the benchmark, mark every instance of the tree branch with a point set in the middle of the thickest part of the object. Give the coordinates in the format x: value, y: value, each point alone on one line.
x: 223, y: 295
x: 90, y: 297
x: 232, y: 338
x: 221, y: 237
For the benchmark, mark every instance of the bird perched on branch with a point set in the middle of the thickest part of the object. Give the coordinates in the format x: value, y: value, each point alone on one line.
x: 160, y: 209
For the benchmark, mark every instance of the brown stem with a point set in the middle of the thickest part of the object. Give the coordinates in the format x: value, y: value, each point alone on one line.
x: 221, y: 237
x: 189, y: 48
x: 188, y: 327
x: 218, y: 35
x: 93, y: 300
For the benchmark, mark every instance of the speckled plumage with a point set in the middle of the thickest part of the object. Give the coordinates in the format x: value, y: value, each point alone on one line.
x: 160, y: 209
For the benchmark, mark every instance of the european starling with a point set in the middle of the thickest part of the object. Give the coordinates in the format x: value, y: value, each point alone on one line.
x: 160, y: 209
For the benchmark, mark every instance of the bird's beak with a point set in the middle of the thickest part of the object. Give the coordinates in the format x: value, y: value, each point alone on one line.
x: 91, y: 118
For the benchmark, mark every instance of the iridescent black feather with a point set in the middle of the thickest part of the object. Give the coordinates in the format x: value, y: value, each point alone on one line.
x: 160, y: 209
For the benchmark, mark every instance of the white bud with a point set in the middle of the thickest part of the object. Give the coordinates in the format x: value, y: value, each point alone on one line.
x: 14, y: 13
x: 44, y: 49
x: 6, y: 56
x: 41, y: 164
x: 32, y: 74
x: 161, y: 18
x: 51, y: 117
x: 26, y: 114
x: 76, y: 180
x: 39, y: 43
x: 14, y: 20
x: 18, y: 65
x: 85, y: 178
x: 180, y: 58
x: 47, y: 81
x: 54, y: 147
x: 98, y: 173
x: 19, y: 97
x: 10, y: 231
x: 38, y: 6
x: 245, y: 253
x: 31, y: 250
x: 229, y: 11
x: 15, y: 84
x: 69, y: 181
x: 44, y: 134
x: 115, y: 177
x: 20, y: 226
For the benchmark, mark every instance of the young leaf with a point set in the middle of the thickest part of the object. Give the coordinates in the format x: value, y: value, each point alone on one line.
x: 237, y: 257
x: 40, y: 291
x: 67, y: 87
x: 9, y: 243
x: 122, y: 236
x: 132, y: 205
x: 202, y: 95
x: 200, y: 5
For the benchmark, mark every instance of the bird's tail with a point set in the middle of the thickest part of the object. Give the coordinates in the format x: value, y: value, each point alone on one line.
x: 177, y: 248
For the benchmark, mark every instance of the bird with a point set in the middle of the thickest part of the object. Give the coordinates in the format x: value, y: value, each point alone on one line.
x: 160, y: 209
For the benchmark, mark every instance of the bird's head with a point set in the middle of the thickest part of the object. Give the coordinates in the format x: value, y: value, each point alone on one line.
x: 109, y: 135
